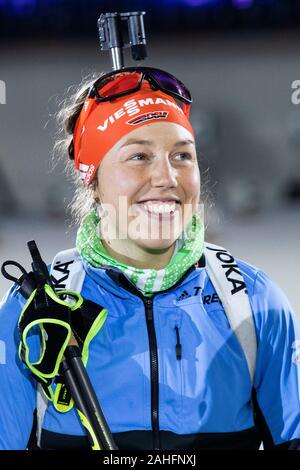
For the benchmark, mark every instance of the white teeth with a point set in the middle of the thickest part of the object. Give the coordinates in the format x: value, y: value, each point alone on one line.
x: 160, y: 208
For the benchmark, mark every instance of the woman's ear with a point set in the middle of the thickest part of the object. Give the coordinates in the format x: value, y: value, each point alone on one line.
x: 96, y: 192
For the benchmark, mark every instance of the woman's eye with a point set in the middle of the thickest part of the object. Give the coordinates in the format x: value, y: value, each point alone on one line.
x: 185, y: 156
x: 179, y: 157
x: 137, y: 157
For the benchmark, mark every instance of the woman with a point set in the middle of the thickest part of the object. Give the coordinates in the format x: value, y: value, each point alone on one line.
x: 168, y: 368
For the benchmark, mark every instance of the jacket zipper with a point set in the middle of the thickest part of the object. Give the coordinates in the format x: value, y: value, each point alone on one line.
x: 153, y: 373
x: 148, y: 302
x: 178, y: 348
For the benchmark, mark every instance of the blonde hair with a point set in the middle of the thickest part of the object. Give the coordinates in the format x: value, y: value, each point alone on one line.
x: 69, y: 108
x: 83, y: 200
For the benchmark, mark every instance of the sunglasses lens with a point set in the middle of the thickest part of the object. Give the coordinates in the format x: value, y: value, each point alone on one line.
x: 119, y: 84
x: 127, y: 82
x: 171, y: 84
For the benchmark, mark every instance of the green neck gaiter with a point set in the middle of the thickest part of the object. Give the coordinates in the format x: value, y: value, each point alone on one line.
x: 188, y: 250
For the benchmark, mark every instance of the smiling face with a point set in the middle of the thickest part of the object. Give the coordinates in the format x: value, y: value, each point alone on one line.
x: 155, y: 170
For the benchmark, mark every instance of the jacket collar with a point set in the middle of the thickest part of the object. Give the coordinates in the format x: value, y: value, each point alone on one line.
x: 113, y: 279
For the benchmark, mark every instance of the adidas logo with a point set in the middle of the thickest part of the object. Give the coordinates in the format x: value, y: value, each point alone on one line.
x: 183, y: 296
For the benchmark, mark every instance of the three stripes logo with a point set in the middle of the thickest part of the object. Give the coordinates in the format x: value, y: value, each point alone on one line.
x: 184, y: 295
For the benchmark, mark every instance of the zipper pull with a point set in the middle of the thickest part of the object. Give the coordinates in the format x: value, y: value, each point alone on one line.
x: 149, y: 309
x: 178, y: 345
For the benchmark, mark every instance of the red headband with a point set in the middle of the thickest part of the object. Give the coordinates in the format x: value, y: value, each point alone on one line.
x: 101, y: 125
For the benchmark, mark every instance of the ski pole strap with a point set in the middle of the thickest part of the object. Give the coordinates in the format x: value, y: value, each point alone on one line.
x: 47, y: 311
x: 85, y: 326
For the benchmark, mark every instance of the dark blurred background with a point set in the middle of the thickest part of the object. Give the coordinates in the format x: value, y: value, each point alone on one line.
x: 77, y: 17
x: 238, y: 57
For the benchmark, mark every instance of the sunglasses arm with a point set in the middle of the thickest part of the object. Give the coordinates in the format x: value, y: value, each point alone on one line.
x: 186, y: 109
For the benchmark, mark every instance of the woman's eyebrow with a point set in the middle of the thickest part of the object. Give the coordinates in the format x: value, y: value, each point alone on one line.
x: 150, y: 142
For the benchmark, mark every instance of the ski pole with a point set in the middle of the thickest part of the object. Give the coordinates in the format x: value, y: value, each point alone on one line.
x: 76, y: 378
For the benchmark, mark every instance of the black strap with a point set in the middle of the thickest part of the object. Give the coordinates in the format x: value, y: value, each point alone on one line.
x: 32, y: 441
x: 261, y: 423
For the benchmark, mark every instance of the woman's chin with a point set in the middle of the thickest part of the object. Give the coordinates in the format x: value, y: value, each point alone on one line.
x: 155, y: 245
x: 157, y: 239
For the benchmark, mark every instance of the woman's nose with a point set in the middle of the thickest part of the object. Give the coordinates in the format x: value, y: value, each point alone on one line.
x: 163, y: 174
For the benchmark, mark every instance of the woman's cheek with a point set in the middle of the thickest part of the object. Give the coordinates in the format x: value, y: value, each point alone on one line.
x: 193, y: 187
x: 128, y: 184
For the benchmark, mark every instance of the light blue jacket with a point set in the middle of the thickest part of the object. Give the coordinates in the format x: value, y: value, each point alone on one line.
x: 206, y: 392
